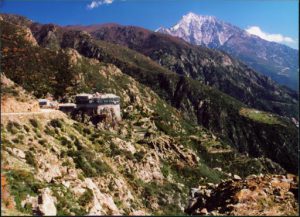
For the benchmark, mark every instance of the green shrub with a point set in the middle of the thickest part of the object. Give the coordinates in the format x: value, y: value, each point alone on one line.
x: 43, y: 142
x: 86, y: 197
x: 85, y: 160
x: 65, y: 141
x: 101, y: 167
x: 15, y: 140
x: 5, y: 142
x: 49, y: 131
x: 87, y: 131
x: 30, y: 159
x: 128, y: 155
x: 139, y: 155
x: 56, y: 123
x: 66, y: 202
x: 78, y: 144
x: 166, y: 170
x: 78, y: 127
x: 27, y: 129
x: 114, y: 150
x: 13, y: 127
x: 22, y: 183
x: 34, y: 123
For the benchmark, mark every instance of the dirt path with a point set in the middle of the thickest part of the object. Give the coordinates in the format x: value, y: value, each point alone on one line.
x: 42, y: 111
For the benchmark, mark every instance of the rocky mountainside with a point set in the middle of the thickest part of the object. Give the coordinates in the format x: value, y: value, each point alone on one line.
x: 200, y: 104
x: 269, y: 195
x: 176, y: 132
x: 211, y: 67
x: 272, y: 59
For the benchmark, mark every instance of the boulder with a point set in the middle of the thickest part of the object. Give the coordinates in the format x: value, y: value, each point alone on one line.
x: 46, y: 203
x: 203, y: 211
x: 138, y: 213
x: 18, y: 153
x: 236, y: 177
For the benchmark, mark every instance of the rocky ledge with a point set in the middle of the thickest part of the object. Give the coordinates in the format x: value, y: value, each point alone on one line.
x: 255, y: 195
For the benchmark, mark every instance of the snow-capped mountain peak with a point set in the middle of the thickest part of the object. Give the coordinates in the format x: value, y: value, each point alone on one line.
x: 200, y: 30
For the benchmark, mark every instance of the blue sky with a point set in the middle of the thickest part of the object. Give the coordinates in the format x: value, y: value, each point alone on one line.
x: 275, y: 20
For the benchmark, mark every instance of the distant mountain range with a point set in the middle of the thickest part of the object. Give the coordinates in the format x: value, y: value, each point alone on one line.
x: 278, y: 61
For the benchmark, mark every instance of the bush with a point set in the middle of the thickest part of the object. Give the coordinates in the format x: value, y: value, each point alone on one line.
x: 65, y: 141
x: 86, y: 197
x: 114, y: 150
x: 34, y: 123
x: 66, y: 202
x: 87, y: 131
x: 128, y: 155
x: 27, y: 129
x: 166, y: 170
x: 49, y: 131
x: 139, y: 155
x: 85, y: 160
x: 101, y: 167
x: 22, y: 183
x: 43, y: 142
x: 30, y: 159
x: 78, y: 144
x: 13, y: 127
x: 78, y: 127
x: 15, y: 140
x: 56, y: 123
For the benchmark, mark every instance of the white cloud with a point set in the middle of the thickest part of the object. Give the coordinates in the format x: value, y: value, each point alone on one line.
x: 97, y: 3
x: 255, y: 30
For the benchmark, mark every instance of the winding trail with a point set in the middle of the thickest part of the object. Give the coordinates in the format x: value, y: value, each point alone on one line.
x: 42, y: 111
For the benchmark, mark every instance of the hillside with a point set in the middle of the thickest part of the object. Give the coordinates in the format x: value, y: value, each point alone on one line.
x: 145, y: 166
x: 199, y: 103
x: 176, y: 132
x: 211, y: 67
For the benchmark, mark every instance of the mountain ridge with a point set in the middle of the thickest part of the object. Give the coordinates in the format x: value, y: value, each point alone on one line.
x: 199, y: 103
x: 196, y: 62
x: 273, y: 59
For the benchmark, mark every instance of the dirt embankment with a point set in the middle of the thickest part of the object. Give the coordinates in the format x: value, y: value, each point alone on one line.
x: 10, y: 104
x: 16, y: 99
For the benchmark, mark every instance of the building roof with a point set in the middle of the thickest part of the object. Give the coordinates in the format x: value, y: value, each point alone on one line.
x: 85, y: 94
x: 43, y: 100
x: 104, y: 96
x: 67, y: 105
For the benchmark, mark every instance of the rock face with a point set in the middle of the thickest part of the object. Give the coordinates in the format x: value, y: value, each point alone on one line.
x: 255, y: 195
x: 46, y: 203
x: 272, y: 59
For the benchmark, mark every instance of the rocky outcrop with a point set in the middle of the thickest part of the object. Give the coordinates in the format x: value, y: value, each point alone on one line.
x: 168, y: 148
x: 255, y: 195
x: 46, y: 203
